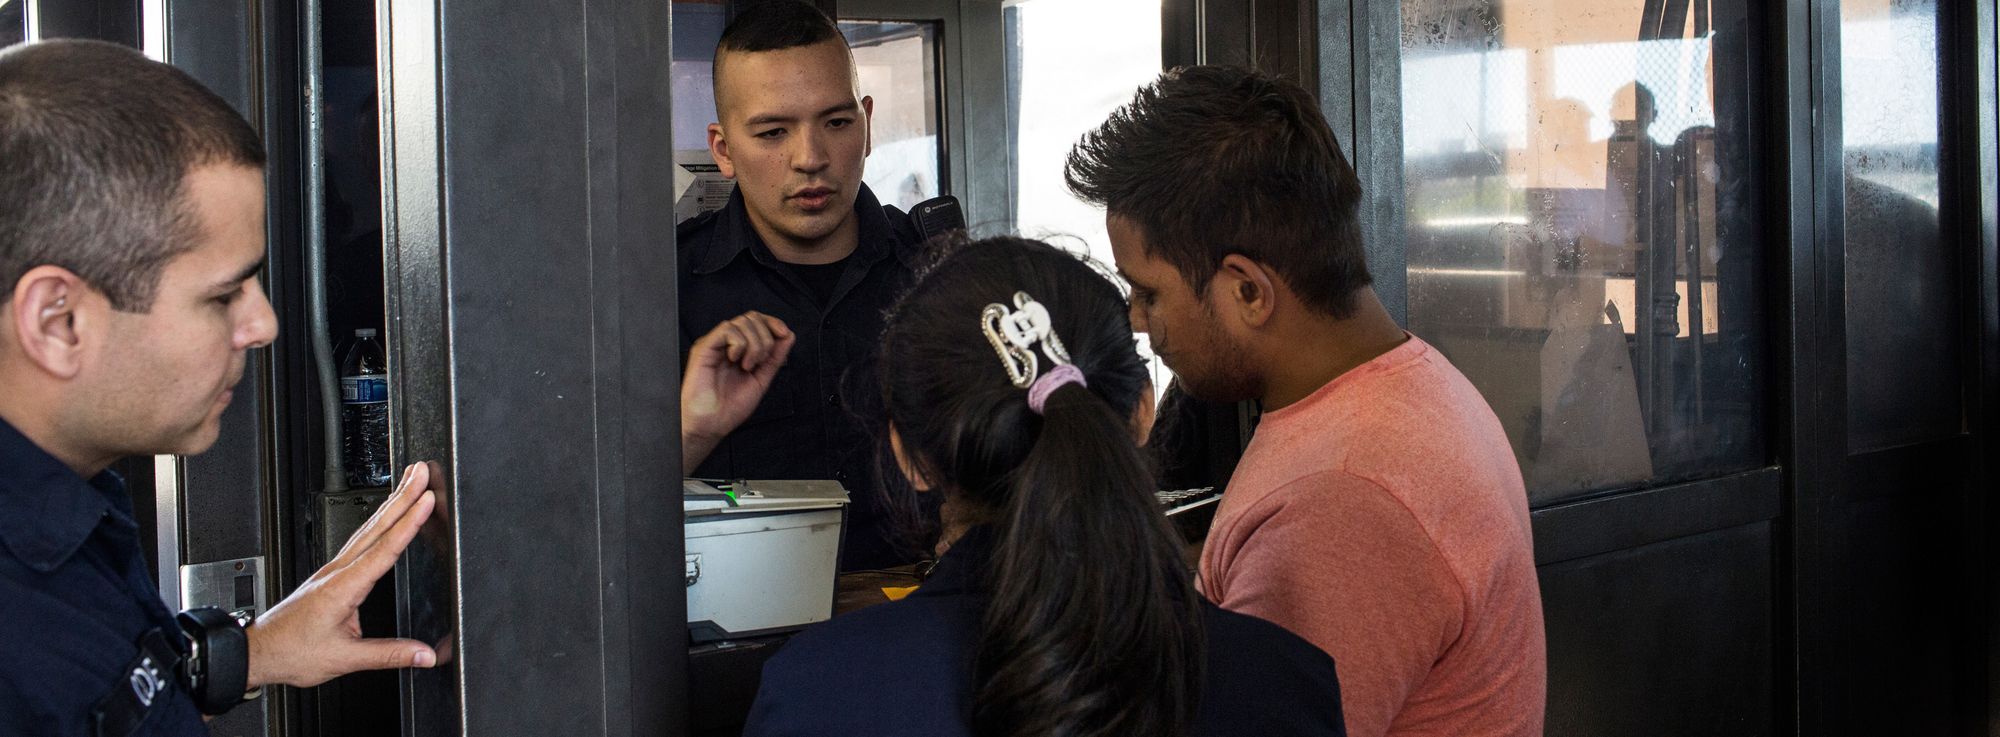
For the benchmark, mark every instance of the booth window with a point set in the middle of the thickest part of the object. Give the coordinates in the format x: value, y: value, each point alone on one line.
x: 1052, y: 105
x: 13, y: 22
x: 898, y: 65
x: 1582, y: 230
x: 1901, y: 283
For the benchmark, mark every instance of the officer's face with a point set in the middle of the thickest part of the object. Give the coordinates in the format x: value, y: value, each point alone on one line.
x: 793, y: 134
x: 1183, y: 327
x: 163, y: 377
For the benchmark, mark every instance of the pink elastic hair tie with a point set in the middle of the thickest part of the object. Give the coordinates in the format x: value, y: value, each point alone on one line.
x: 1039, y: 392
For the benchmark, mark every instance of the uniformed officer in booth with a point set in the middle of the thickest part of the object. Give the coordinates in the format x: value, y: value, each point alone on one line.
x: 131, y: 236
x: 785, y: 286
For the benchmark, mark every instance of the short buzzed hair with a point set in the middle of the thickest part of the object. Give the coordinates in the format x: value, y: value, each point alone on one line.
x: 776, y: 25
x: 773, y: 25
x: 96, y: 141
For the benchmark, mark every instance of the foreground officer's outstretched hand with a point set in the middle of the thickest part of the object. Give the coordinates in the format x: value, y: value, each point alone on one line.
x: 314, y: 635
x: 728, y: 372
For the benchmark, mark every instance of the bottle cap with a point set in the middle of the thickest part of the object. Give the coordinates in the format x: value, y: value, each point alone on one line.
x: 365, y: 333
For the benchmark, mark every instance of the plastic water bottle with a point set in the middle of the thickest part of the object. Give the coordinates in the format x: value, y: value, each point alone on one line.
x: 364, y: 410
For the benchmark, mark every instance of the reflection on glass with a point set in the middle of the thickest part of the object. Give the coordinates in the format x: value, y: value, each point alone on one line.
x: 897, y: 63
x: 697, y: 29
x: 13, y: 22
x: 1580, y: 234
x: 350, y: 118
x: 1902, y: 357
x: 1048, y: 43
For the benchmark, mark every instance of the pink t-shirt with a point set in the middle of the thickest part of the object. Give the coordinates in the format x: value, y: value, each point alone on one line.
x: 1383, y: 518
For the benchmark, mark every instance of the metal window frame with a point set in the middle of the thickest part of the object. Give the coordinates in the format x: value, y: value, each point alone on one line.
x: 1359, y: 46
x: 1983, y: 32
x: 977, y: 165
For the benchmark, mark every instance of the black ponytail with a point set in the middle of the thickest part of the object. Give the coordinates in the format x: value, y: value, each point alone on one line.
x: 1093, y: 626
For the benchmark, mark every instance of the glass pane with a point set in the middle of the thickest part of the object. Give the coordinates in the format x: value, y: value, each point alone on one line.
x: 1581, y: 230
x: 697, y: 29
x: 1902, y: 354
x: 13, y: 22
x: 897, y: 63
x: 355, y: 301
x: 1048, y: 41
x: 698, y: 182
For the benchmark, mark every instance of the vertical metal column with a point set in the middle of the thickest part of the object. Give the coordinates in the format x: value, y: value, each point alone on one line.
x: 1655, y: 299
x: 1986, y: 30
x: 1360, y: 88
x: 533, y: 355
x: 420, y: 396
x: 1687, y: 155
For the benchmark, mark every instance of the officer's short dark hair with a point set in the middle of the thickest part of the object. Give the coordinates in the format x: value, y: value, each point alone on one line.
x: 1209, y: 161
x: 776, y: 25
x: 95, y: 143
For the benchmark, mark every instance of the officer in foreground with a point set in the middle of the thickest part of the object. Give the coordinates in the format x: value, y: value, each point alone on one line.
x: 131, y: 236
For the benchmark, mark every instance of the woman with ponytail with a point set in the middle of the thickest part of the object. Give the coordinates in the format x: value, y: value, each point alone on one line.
x: 1012, y: 386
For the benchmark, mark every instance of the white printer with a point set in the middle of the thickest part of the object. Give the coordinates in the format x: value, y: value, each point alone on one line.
x: 762, y: 556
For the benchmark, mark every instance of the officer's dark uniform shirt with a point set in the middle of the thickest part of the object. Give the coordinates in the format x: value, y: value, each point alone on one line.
x: 75, y: 597
x: 809, y: 426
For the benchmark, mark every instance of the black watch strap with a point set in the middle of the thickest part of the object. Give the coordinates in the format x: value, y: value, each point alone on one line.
x: 217, y: 669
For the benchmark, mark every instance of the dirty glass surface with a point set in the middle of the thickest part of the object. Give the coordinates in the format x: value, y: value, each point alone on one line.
x: 898, y: 65
x: 1581, y: 230
x: 13, y: 22
x: 1903, y: 381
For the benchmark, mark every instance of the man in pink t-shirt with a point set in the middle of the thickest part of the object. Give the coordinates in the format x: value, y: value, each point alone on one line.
x: 1378, y: 510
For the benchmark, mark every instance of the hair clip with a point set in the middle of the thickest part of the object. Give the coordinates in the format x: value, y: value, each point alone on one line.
x: 1014, y: 334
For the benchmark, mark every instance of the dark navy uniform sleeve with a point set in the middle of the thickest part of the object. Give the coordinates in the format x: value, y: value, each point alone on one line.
x: 76, y: 596
x: 68, y: 650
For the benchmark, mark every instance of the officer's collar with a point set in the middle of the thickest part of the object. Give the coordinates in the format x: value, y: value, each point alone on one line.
x: 50, y: 511
x: 734, y: 236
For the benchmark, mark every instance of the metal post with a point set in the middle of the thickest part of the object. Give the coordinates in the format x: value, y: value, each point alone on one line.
x: 530, y: 282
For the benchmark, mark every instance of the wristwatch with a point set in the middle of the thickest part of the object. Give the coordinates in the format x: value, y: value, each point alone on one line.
x: 217, y: 668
